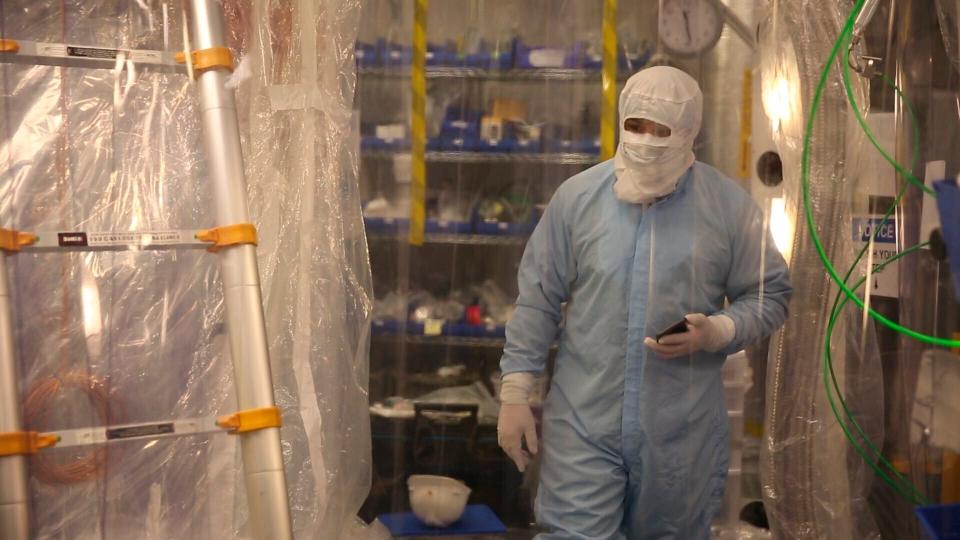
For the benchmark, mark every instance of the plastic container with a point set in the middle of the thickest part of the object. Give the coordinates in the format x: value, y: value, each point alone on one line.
x: 437, y: 501
x: 939, y: 522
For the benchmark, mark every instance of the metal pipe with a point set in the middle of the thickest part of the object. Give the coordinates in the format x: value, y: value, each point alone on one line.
x: 866, y: 15
x: 262, y: 455
x: 14, y: 494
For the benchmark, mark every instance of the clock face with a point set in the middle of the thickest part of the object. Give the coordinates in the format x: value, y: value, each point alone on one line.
x: 689, y: 26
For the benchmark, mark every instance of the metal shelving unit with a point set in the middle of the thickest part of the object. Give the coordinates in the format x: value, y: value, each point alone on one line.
x: 451, y: 341
x: 455, y: 239
x: 444, y: 72
x: 494, y: 157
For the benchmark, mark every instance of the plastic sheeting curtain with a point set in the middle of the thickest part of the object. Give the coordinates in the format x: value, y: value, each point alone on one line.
x: 138, y: 336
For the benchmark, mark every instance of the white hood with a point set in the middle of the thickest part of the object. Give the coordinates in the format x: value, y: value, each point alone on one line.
x: 649, y: 167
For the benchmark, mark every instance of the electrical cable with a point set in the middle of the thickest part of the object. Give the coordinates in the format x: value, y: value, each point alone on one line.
x: 36, y: 408
x: 805, y: 184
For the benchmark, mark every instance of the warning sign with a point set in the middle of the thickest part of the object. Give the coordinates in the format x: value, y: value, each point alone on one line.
x: 885, y: 246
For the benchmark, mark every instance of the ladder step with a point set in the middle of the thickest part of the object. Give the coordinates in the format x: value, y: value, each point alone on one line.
x: 144, y: 430
x: 78, y: 56
x: 116, y: 241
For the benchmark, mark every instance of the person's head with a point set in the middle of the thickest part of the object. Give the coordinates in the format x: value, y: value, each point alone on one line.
x: 660, y: 114
x: 662, y: 102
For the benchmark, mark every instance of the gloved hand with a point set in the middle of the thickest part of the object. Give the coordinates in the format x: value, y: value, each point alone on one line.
x: 516, y: 421
x: 703, y: 334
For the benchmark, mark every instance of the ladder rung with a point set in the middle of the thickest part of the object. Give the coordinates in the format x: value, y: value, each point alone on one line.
x: 116, y: 241
x: 64, y: 55
x: 143, y: 430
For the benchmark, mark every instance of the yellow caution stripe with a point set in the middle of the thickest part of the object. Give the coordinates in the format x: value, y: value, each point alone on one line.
x: 746, y: 124
x: 608, y: 111
x: 418, y: 124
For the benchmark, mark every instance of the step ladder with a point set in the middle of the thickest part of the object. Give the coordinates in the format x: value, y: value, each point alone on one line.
x: 257, y: 423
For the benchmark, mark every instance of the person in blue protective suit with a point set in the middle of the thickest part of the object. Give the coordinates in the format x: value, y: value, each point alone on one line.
x: 635, y: 431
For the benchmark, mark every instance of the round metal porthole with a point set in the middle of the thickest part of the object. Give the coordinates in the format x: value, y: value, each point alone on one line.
x: 770, y: 169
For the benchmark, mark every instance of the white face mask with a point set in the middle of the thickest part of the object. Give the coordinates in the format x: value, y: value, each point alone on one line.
x: 642, y: 149
x: 648, y: 167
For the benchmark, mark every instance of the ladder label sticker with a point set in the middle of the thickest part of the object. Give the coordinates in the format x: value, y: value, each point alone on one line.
x: 91, y: 52
x: 134, y: 432
x: 146, y: 56
x: 72, y: 239
x: 51, y: 49
x: 152, y: 238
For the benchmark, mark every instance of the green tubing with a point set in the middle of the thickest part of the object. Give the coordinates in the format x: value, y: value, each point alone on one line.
x: 829, y: 375
x: 805, y: 181
x: 838, y: 306
x: 878, y: 462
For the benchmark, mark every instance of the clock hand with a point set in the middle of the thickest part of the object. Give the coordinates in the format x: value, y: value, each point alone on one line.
x: 686, y: 22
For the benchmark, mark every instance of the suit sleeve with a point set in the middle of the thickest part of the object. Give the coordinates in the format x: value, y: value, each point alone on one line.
x: 546, y: 271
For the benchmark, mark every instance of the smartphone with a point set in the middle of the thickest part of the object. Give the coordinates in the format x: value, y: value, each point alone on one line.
x: 678, y: 327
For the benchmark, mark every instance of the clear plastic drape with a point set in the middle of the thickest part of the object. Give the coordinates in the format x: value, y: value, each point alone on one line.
x: 137, y: 336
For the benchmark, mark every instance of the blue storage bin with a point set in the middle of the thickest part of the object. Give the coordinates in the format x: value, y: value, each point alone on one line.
x: 385, y: 327
x: 558, y: 146
x: 392, y: 54
x: 940, y: 522
x: 454, y: 329
x: 365, y: 54
x: 395, y: 145
x: 487, y: 227
x: 436, y: 226
x: 397, y: 225
x: 486, y: 58
x: 472, y: 331
x: 586, y: 146
x: 579, y: 57
x: 442, y: 55
x: 498, y: 145
x: 480, y: 59
x: 451, y: 129
x: 434, y: 144
x: 415, y: 329
x: 528, y: 147
x: 494, y: 332
x: 374, y: 225
x: 370, y: 143
x: 459, y: 144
